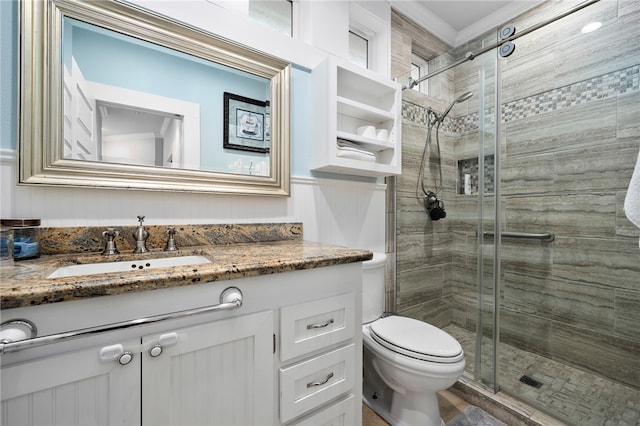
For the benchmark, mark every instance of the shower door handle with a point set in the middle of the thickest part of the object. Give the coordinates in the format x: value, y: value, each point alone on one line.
x: 523, y: 235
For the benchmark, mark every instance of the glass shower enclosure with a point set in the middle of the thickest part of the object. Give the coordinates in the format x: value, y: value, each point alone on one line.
x: 535, y: 269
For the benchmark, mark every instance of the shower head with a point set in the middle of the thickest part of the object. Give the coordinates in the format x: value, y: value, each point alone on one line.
x: 461, y: 98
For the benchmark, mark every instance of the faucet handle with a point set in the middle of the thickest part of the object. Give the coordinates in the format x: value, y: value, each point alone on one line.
x: 171, y: 242
x: 140, y: 219
x: 110, y: 244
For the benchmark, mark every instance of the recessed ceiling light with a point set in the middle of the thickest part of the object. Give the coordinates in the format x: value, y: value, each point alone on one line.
x: 592, y: 26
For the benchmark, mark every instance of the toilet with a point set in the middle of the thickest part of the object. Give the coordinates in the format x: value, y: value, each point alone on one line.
x: 405, y: 361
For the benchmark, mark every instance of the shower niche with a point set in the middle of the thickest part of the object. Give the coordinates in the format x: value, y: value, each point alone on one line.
x: 468, y: 175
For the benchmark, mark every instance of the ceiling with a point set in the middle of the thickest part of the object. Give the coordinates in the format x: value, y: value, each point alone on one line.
x: 458, y: 21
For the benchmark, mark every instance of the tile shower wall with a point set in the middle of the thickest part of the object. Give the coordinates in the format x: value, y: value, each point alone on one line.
x: 422, y: 247
x: 570, y: 137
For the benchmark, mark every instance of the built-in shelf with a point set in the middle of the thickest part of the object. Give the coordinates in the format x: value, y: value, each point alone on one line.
x: 347, y: 97
x: 358, y: 110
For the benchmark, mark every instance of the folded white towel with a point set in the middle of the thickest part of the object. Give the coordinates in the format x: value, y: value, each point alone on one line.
x: 352, y: 150
x: 354, y: 146
x: 632, y: 200
x: 355, y: 154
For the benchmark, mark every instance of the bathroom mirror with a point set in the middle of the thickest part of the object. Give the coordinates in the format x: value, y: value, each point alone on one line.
x: 112, y: 95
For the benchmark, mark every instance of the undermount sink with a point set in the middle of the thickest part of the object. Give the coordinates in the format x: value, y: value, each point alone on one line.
x: 131, y: 265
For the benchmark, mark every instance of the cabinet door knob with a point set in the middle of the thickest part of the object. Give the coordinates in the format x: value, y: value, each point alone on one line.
x: 125, y: 358
x: 155, y: 351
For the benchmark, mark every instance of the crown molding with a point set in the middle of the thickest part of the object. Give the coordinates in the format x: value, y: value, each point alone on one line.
x: 445, y: 32
x: 495, y: 20
x: 426, y: 19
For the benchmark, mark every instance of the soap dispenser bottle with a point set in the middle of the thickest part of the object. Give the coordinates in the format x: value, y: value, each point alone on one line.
x: 141, y: 236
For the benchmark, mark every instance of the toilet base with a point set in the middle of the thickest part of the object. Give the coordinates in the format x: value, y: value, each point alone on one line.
x: 380, y: 401
x: 416, y: 408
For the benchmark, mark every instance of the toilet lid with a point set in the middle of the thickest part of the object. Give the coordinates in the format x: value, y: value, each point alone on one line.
x: 416, y: 339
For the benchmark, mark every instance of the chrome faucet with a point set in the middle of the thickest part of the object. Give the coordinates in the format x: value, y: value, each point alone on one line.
x: 110, y: 243
x: 141, y: 236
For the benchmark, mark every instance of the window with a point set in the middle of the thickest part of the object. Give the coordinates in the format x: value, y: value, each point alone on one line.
x: 420, y: 68
x: 358, y: 49
x: 276, y: 14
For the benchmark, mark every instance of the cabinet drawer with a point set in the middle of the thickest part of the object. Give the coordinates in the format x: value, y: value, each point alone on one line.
x: 307, y: 327
x: 339, y: 414
x: 309, y: 384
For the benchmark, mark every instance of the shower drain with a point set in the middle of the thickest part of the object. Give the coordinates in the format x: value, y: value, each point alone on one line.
x: 530, y: 381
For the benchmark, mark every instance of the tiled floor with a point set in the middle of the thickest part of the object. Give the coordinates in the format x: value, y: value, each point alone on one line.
x: 570, y: 394
x: 450, y: 405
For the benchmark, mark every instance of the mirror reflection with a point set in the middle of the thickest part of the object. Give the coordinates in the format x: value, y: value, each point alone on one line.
x: 129, y: 101
x: 135, y: 136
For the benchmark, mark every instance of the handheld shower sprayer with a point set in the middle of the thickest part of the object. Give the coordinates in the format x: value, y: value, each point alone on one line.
x: 434, y: 206
x: 465, y: 96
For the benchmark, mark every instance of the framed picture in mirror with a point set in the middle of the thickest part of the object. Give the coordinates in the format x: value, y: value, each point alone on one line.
x: 246, y: 124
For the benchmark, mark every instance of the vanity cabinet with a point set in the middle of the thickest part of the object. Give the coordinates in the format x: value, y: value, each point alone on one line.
x: 347, y: 99
x: 290, y: 355
x: 209, y: 374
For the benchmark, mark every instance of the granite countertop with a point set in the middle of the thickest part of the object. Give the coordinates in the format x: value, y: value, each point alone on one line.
x: 25, y: 283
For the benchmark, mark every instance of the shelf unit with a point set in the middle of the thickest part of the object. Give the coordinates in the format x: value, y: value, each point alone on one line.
x: 345, y: 98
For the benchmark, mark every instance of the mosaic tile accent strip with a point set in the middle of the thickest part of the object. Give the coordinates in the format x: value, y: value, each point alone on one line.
x: 415, y: 113
x: 600, y: 87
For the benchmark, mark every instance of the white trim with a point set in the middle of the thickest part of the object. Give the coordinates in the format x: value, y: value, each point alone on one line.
x: 8, y: 155
x: 234, y: 26
x: 302, y: 180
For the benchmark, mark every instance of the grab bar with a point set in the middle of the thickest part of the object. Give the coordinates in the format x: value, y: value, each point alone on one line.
x: 230, y: 298
x: 524, y: 235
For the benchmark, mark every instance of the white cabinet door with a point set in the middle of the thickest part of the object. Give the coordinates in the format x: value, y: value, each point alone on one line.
x: 219, y: 373
x: 75, y: 388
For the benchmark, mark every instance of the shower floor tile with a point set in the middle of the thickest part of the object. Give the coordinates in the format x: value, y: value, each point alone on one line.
x: 567, y: 393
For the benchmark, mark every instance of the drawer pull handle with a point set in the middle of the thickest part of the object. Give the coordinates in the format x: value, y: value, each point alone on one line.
x: 323, y: 325
x: 314, y: 384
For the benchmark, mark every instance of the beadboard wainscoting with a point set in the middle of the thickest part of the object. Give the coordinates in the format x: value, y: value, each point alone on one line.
x: 333, y: 211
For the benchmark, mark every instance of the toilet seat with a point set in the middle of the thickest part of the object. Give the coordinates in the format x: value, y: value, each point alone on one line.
x: 416, y: 339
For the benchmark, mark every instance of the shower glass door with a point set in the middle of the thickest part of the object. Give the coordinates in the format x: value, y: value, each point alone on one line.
x: 488, y: 205
x: 568, y: 260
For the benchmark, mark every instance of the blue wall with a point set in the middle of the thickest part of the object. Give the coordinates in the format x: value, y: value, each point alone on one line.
x: 8, y: 74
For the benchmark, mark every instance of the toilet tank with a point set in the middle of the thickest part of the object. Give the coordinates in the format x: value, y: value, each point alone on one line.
x: 373, y: 287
